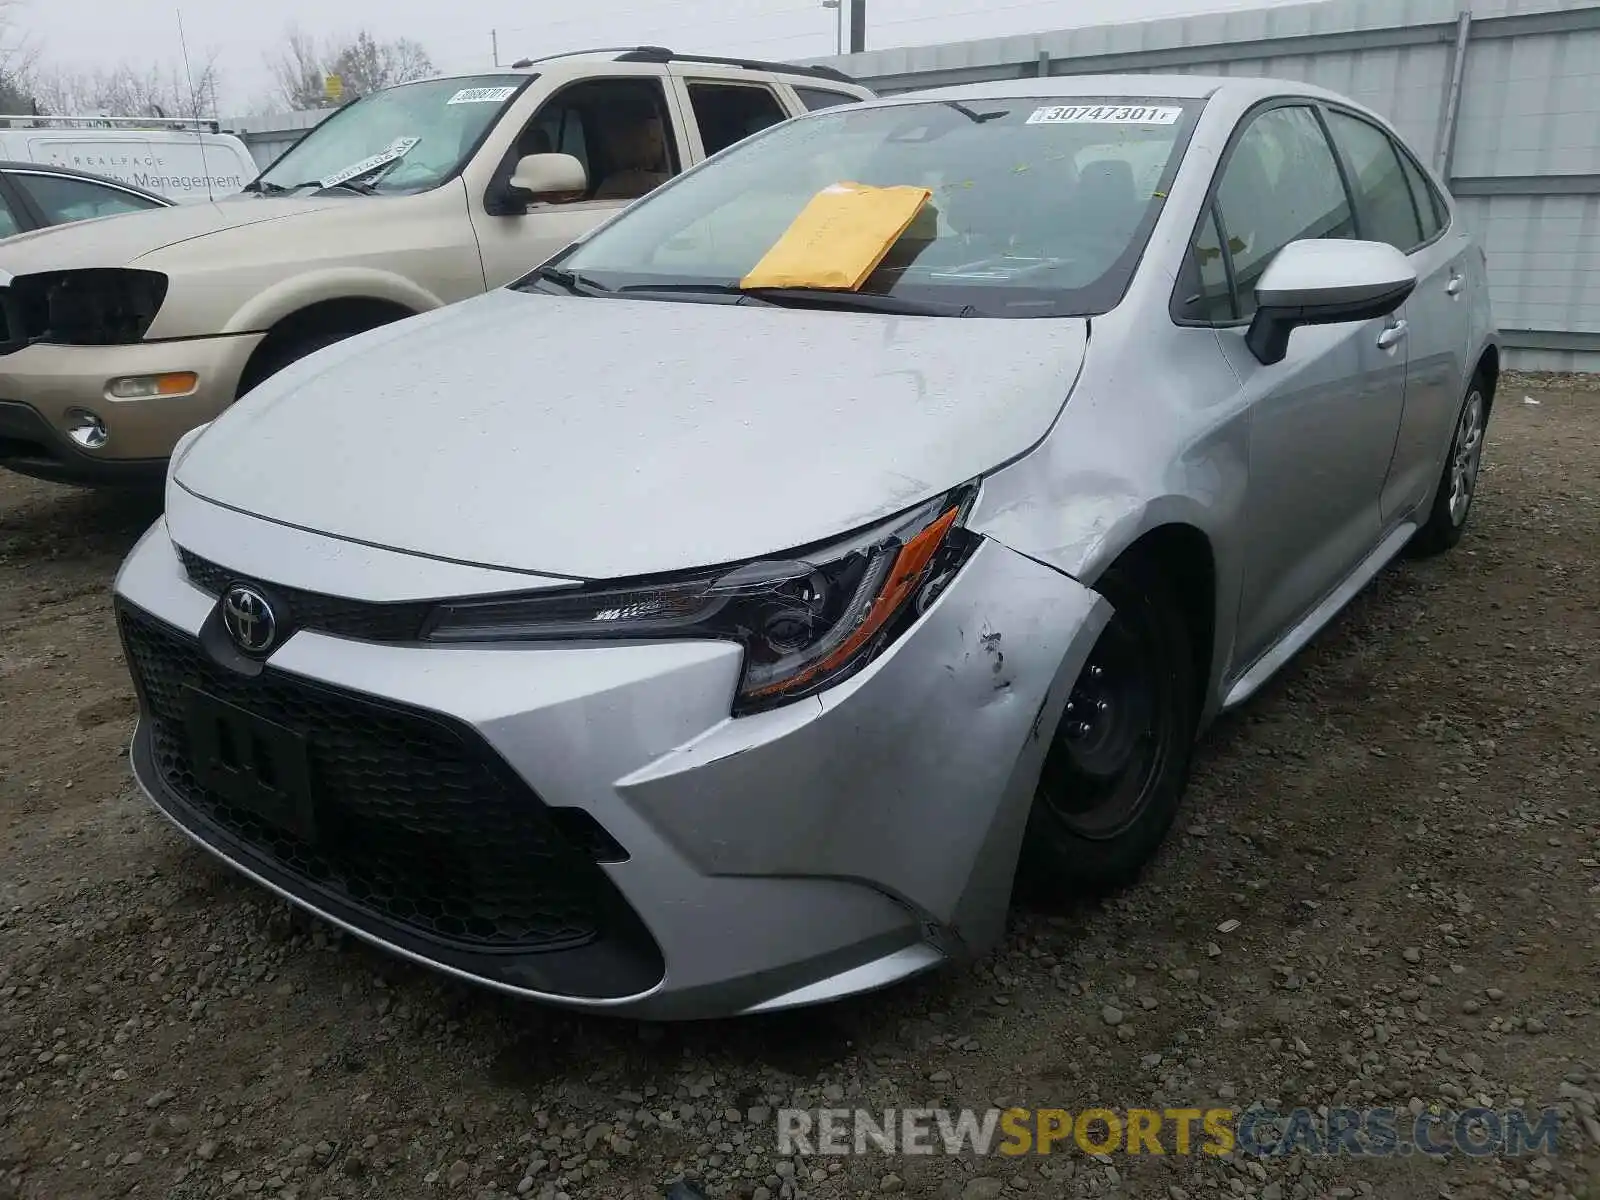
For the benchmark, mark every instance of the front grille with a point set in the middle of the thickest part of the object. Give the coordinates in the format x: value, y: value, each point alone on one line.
x: 418, y: 822
x: 366, y: 621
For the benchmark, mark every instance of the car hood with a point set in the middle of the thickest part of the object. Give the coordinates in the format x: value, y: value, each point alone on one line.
x: 600, y: 438
x: 119, y: 241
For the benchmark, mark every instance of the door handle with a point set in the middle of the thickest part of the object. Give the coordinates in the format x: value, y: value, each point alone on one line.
x: 1453, y: 288
x: 1392, y: 335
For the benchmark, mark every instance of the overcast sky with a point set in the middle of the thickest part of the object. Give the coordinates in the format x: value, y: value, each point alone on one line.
x: 102, y: 33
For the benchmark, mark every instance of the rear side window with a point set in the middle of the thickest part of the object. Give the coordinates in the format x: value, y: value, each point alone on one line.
x: 729, y: 113
x: 1430, y: 206
x: 815, y: 98
x: 1384, y: 202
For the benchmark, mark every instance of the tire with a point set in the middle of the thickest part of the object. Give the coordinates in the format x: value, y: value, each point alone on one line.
x: 278, y: 357
x: 1458, y: 482
x: 1114, y: 775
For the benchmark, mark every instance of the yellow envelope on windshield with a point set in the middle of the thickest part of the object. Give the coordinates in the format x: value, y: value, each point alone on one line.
x: 839, y: 238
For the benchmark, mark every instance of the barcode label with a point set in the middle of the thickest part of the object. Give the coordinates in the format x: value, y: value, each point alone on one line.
x: 1105, y: 114
x: 481, y: 95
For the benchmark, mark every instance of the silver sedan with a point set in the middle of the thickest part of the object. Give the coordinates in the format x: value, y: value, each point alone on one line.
x: 634, y: 639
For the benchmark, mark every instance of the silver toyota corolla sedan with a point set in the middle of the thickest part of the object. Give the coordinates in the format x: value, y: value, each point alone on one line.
x: 634, y: 640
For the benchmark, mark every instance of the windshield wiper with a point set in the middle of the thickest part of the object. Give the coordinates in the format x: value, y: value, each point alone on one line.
x: 859, y: 302
x: 795, y: 297
x: 349, y: 185
x: 265, y: 188
x: 577, y: 284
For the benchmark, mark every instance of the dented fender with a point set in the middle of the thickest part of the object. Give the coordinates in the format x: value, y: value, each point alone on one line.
x: 942, y: 737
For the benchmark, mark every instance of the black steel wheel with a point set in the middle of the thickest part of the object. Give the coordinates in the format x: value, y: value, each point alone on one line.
x: 1119, y: 757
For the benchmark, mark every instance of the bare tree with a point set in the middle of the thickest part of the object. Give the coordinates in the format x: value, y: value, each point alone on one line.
x: 363, y: 64
x: 128, y: 91
x: 17, y: 56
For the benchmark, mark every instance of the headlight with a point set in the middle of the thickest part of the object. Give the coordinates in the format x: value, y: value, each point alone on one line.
x: 805, y: 622
x: 101, y: 307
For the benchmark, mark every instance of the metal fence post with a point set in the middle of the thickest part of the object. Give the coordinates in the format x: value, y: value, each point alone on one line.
x: 1444, y: 153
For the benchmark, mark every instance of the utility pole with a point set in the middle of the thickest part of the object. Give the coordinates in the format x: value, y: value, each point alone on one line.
x: 838, y: 23
x: 494, y: 40
x: 858, y: 26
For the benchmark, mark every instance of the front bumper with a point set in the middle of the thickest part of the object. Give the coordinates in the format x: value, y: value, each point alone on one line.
x: 829, y: 847
x: 40, y: 384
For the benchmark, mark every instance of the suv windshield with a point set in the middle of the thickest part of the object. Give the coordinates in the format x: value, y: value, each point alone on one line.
x: 1039, y: 208
x: 407, y: 138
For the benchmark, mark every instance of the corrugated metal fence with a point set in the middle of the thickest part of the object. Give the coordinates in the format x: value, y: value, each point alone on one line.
x: 1506, y: 97
x: 269, y: 136
x: 1505, y: 94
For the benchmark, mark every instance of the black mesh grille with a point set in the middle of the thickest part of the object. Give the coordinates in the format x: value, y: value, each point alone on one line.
x: 369, y: 622
x: 418, y: 821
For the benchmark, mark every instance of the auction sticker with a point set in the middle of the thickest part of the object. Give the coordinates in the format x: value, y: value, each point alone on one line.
x: 481, y: 95
x: 1105, y: 114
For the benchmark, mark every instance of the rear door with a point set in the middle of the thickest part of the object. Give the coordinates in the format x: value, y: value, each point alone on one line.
x: 1395, y: 203
x: 724, y: 107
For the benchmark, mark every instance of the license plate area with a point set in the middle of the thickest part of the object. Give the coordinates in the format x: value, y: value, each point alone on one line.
x: 251, y: 762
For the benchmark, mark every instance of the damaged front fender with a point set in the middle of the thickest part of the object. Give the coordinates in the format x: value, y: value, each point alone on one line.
x: 914, y: 777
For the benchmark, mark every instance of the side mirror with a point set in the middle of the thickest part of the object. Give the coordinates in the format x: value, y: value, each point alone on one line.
x: 1325, y: 281
x: 537, y: 175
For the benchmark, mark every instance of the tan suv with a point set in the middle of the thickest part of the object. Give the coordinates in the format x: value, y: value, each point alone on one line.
x: 122, y: 334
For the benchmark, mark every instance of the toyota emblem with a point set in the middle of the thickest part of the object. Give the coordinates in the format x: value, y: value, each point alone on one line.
x: 249, y: 619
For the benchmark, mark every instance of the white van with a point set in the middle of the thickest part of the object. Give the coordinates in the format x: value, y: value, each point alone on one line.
x: 186, y: 161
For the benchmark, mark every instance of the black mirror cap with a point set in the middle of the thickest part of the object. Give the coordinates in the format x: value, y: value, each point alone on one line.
x: 1268, y: 335
x: 502, y: 199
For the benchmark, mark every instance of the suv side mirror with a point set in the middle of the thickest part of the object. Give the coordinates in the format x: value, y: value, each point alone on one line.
x: 537, y: 175
x: 1325, y: 281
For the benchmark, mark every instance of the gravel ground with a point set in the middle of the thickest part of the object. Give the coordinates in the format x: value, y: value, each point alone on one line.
x: 1405, y: 827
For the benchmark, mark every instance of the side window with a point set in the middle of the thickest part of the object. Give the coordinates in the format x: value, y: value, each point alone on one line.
x: 1383, y: 197
x: 815, y: 98
x: 1281, y: 184
x: 730, y: 112
x: 1210, y: 297
x: 1430, y: 208
x: 8, y: 220
x: 619, y: 129
x: 61, y: 198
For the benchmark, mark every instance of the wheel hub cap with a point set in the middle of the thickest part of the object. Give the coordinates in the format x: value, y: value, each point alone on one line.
x: 1466, y: 456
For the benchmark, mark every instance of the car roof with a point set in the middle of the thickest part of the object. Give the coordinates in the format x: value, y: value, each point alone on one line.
x: 1246, y: 90
x: 36, y: 168
x: 661, y: 55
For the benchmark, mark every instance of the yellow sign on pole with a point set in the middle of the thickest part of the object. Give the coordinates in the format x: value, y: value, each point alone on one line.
x: 333, y: 87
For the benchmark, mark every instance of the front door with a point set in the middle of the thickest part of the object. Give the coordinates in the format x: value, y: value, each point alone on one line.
x: 627, y: 133
x: 1322, y: 421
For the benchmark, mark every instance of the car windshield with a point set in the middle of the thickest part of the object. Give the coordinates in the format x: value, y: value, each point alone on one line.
x: 1038, y: 208
x: 408, y: 138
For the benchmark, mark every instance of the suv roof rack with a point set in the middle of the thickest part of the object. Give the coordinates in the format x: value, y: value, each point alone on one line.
x: 197, y: 124
x: 660, y: 54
